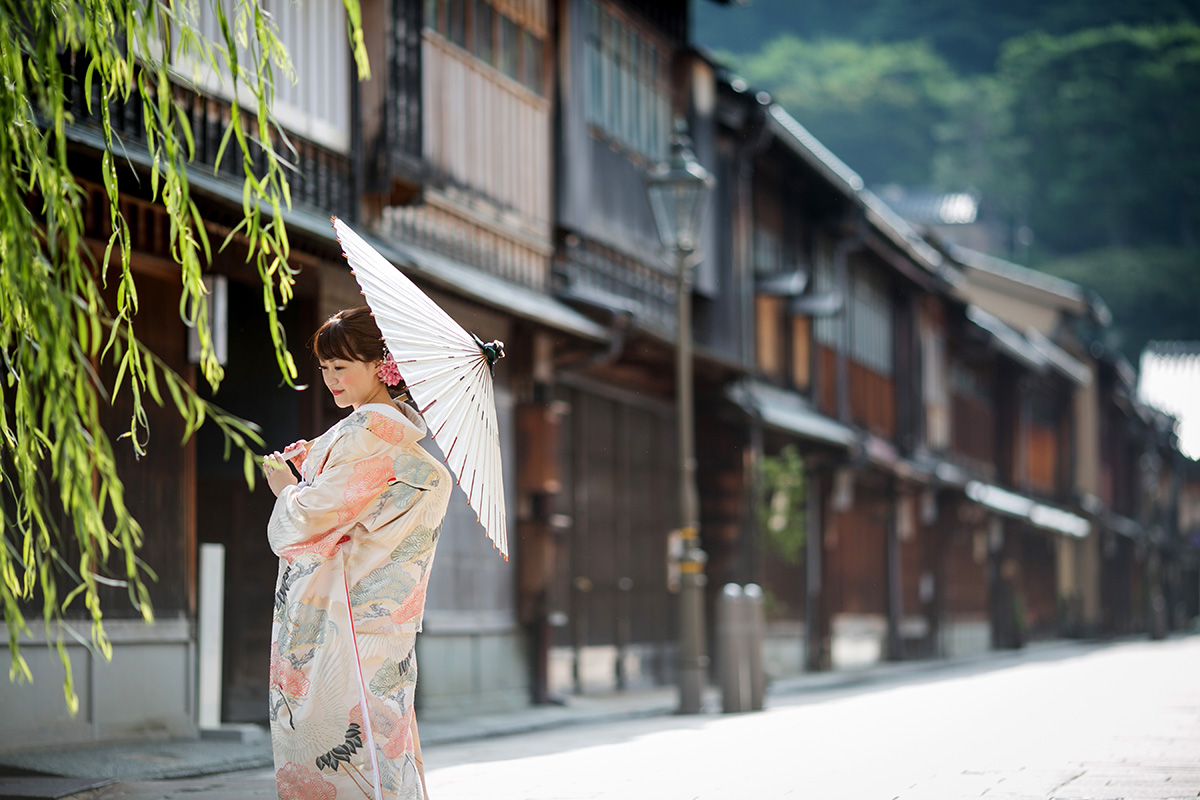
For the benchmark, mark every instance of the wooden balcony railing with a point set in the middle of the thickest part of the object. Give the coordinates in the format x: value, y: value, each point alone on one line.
x: 1043, y: 459
x: 872, y: 394
x: 872, y: 400
x: 582, y: 263
x: 323, y: 179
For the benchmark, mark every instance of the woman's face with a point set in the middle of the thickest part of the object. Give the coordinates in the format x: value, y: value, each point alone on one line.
x: 352, y: 383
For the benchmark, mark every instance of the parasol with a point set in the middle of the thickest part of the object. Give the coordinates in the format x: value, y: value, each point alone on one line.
x: 448, y: 373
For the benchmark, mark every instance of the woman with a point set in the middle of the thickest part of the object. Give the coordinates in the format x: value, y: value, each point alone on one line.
x: 356, y: 539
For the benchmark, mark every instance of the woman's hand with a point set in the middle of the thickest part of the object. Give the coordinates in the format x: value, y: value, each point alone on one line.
x: 297, y: 452
x: 279, y: 474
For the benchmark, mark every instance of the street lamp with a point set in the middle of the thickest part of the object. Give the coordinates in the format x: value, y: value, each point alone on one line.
x: 677, y: 189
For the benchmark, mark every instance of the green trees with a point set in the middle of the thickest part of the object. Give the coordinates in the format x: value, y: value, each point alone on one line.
x: 1075, y: 119
x: 1108, y: 124
x: 66, y: 526
x: 1152, y: 290
x: 849, y: 93
x: 1103, y: 133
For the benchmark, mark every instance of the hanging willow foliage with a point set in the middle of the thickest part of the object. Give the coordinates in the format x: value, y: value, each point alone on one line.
x: 61, y: 501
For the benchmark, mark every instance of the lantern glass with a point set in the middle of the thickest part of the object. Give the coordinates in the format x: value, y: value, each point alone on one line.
x: 677, y: 189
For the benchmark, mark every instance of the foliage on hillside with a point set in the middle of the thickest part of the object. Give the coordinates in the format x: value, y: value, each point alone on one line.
x: 969, y: 34
x: 1077, y: 120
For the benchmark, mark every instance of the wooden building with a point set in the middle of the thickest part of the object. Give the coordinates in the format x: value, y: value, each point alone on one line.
x: 834, y: 286
x: 1168, y: 381
x: 606, y: 616
x: 1100, y: 576
x: 480, y: 244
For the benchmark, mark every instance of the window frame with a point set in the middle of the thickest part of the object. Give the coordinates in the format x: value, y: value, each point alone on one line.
x: 626, y: 82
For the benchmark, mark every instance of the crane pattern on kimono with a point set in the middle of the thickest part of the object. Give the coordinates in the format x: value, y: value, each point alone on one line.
x: 342, y: 752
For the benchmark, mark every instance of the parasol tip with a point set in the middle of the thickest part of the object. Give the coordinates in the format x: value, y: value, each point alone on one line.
x: 493, y: 351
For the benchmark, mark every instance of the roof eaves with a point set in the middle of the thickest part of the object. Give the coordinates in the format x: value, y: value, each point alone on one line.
x: 1060, y: 359
x: 878, y: 213
x: 1018, y: 274
x: 896, y: 228
x: 810, y: 149
x: 1009, y: 340
x: 789, y: 412
x: 488, y: 289
x: 1022, y: 507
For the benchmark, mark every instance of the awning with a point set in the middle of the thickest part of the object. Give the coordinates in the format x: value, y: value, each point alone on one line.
x: 789, y: 412
x: 940, y: 471
x: 1026, y: 508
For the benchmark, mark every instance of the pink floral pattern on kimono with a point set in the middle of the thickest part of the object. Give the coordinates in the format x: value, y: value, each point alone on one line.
x: 396, y: 732
x: 296, y: 783
x: 291, y: 682
x: 411, y: 608
x: 356, y: 539
x: 364, y: 485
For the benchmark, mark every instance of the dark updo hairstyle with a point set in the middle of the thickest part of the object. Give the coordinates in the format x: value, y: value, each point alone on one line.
x: 352, y: 335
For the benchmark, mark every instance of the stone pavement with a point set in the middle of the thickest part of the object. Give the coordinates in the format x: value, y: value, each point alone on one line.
x: 466, y: 749
x: 1119, y: 722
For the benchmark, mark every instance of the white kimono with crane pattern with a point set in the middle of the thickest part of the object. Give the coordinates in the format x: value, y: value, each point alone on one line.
x: 356, y: 540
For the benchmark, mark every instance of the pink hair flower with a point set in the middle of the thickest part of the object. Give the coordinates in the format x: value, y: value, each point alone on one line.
x: 389, y: 373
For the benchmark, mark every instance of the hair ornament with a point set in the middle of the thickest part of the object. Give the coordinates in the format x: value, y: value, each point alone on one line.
x: 389, y: 373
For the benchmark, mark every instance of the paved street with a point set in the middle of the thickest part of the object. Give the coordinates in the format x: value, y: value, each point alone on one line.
x: 1075, y: 722
x: 1117, y: 722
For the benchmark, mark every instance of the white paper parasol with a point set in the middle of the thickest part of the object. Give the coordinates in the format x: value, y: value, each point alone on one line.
x: 448, y: 372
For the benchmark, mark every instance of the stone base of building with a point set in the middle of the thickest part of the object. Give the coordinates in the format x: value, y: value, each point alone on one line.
x: 965, y: 637
x: 145, y: 691
x: 471, y: 672
x: 603, y: 668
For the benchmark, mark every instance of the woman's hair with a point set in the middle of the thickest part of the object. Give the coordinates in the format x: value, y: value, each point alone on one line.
x: 349, y: 335
x: 352, y: 335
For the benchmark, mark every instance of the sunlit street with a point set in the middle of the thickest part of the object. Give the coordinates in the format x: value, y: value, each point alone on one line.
x: 1075, y: 722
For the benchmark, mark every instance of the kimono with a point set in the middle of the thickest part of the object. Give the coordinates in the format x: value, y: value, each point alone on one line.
x: 355, y: 540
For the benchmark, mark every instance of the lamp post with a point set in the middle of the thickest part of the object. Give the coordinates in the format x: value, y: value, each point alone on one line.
x: 677, y: 189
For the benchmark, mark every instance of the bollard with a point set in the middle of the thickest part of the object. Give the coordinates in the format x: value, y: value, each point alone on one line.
x: 755, y: 625
x: 734, y: 694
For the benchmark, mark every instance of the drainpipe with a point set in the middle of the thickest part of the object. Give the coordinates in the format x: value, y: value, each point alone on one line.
x: 619, y: 325
x: 752, y: 548
x: 757, y: 138
x: 815, y: 656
